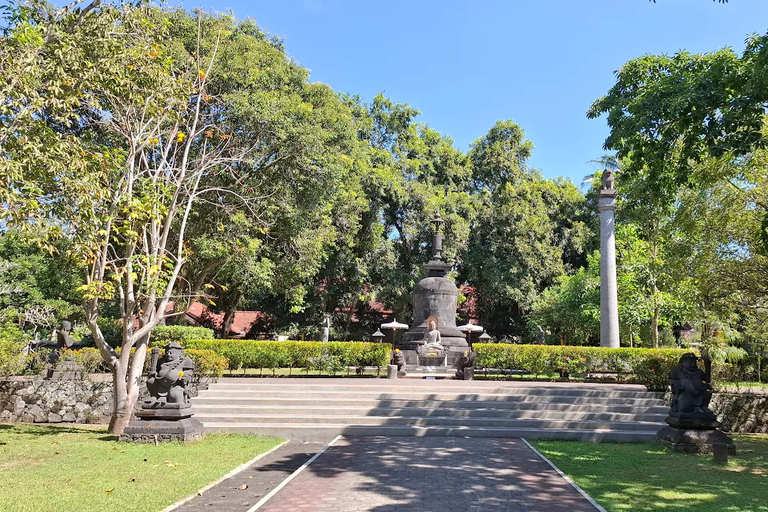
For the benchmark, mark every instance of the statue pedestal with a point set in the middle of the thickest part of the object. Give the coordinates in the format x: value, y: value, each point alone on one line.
x: 161, y: 425
x: 66, y: 370
x: 694, y: 433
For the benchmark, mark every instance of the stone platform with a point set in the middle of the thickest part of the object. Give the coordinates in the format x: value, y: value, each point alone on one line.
x: 695, y: 441
x: 161, y: 425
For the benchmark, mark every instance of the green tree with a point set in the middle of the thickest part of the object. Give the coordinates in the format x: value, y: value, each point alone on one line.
x: 115, y: 131
x: 528, y: 232
x: 669, y: 112
x: 570, y: 309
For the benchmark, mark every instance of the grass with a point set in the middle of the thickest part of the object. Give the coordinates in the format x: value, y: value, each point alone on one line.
x: 647, y: 477
x: 60, y: 469
x: 736, y: 386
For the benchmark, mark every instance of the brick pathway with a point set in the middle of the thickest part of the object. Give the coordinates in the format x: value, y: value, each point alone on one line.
x: 440, y: 474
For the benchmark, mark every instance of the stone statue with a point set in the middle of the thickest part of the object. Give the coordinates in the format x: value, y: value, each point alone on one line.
x: 432, y: 334
x: 692, y: 427
x: 168, y: 378
x: 63, y: 338
x: 464, y: 365
x: 398, y: 359
x: 607, y: 180
x: 691, y: 388
x: 540, y: 336
x: 326, y: 329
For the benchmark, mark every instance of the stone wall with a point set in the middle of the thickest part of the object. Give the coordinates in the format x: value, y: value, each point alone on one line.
x: 742, y: 413
x: 55, y: 401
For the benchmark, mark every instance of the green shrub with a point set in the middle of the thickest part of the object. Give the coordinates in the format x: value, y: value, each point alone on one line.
x: 89, y: 358
x: 649, y: 367
x: 328, y: 357
x: 164, y: 334
x: 207, y: 362
x: 12, y: 343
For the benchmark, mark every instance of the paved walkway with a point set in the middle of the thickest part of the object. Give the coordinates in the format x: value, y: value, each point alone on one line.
x: 388, y: 474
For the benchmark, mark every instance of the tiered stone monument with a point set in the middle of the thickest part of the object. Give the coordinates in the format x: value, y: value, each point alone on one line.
x: 434, y: 298
x: 609, y: 301
x: 692, y: 426
x: 166, y: 414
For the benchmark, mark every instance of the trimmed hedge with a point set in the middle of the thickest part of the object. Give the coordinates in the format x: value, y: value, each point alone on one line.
x: 646, y: 366
x: 325, y: 356
x: 207, y: 362
x: 164, y: 334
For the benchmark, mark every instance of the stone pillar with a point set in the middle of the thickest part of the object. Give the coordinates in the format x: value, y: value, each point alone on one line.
x: 609, y: 300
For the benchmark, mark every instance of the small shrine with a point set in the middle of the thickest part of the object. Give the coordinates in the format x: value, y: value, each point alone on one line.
x: 434, y: 340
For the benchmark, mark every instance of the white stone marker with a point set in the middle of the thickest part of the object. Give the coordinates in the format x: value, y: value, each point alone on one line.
x: 609, y: 300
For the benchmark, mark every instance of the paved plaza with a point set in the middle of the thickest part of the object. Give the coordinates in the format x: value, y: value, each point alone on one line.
x: 387, y: 474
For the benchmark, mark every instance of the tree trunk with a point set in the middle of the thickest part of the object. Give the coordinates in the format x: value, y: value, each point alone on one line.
x: 126, y: 387
x: 121, y: 408
x: 655, y: 319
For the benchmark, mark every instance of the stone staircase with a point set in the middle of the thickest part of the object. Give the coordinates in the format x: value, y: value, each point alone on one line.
x: 317, y: 409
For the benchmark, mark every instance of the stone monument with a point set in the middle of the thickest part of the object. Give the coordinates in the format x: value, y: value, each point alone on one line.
x: 166, y: 414
x: 325, y: 336
x: 432, y: 353
x: 609, y: 301
x: 692, y: 426
x: 465, y: 366
x: 398, y: 360
x: 435, y: 296
x: 63, y: 369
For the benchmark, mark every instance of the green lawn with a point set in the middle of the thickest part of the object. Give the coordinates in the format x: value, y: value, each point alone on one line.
x: 60, y: 469
x: 646, y: 477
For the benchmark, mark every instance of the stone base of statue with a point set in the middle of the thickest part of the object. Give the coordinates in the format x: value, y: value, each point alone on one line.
x: 432, y: 355
x: 66, y: 370
x: 450, y: 358
x: 159, y: 425
x: 694, y: 433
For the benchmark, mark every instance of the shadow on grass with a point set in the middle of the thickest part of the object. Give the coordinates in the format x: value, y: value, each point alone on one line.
x: 654, y: 479
x: 50, y: 430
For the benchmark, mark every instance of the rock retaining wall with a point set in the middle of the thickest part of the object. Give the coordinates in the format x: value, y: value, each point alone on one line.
x: 47, y: 401
x: 742, y: 413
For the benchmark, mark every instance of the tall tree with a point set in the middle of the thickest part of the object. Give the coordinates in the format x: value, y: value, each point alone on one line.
x: 527, y: 233
x: 114, y: 132
x: 669, y: 112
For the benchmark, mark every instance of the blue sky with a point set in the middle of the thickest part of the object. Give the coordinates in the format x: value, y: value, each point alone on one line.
x: 467, y: 64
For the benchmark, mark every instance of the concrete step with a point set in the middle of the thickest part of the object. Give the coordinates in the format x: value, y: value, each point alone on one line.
x: 324, y: 433
x: 429, y: 421
x: 371, y: 403
x: 414, y: 395
x: 222, y: 410
x: 320, y: 409
x: 472, y: 387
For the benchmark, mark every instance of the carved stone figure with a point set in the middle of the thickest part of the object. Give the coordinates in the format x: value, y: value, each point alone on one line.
x: 692, y: 427
x: 432, y: 334
x: 607, y: 180
x: 326, y: 329
x: 63, y: 338
x: 464, y: 366
x: 398, y: 359
x: 691, y: 388
x: 168, y: 378
x: 540, y: 336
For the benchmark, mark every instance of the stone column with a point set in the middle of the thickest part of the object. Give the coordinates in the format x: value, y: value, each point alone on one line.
x: 609, y: 301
